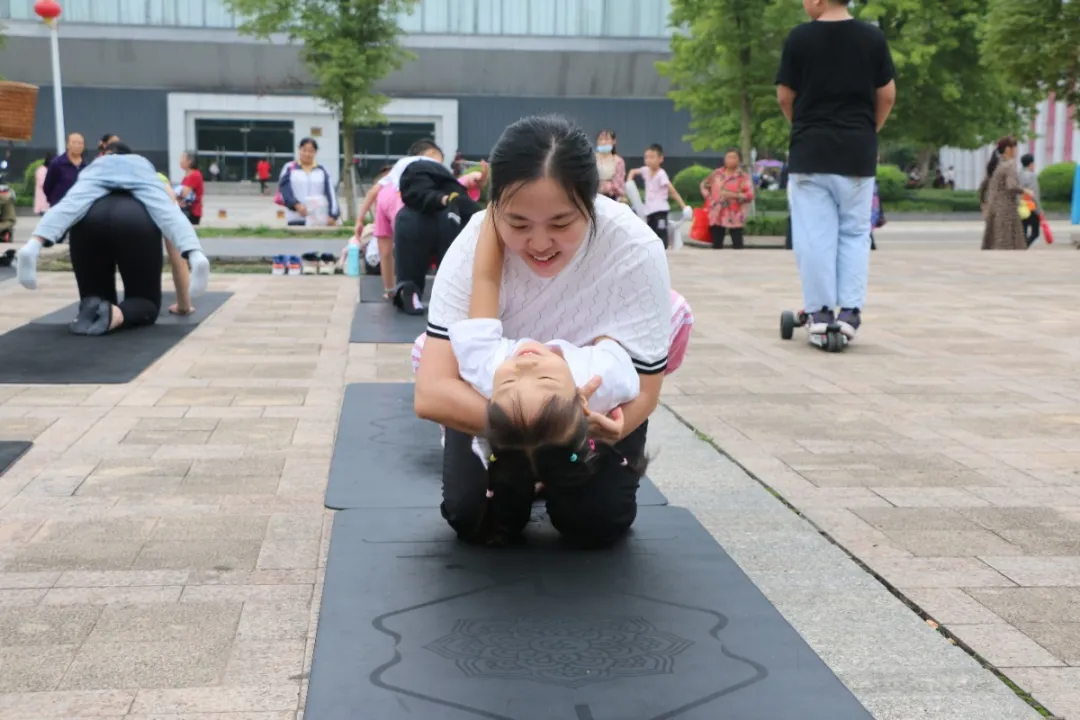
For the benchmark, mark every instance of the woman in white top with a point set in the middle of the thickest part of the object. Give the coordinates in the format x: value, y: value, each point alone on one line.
x: 304, y: 184
x: 559, y: 281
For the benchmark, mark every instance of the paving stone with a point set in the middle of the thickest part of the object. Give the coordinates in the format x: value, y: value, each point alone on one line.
x: 258, y: 698
x: 953, y: 543
x: 46, y: 625
x: 62, y: 705
x: 1031, y: 604
x: 103, y: 666
x: 1062, y: 640
x: 1005, y: 646
x: 166, y: 622
x: 179, y: 554
x: 33, y: 668
x: 950, y: 606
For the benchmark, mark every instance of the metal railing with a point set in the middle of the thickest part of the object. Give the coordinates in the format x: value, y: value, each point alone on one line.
x: 538, y: 18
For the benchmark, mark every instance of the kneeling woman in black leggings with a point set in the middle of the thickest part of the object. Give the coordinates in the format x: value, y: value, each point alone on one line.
x: 435, y: 207
x: 117, y: 233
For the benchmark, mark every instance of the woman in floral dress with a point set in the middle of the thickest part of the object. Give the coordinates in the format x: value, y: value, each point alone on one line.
x: 727, y: 192
x: 1000, y: 195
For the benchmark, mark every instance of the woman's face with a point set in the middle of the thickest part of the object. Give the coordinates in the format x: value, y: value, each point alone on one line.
x: 731, y: 160
x: 1010, y: 152
x: 541, y: 225
x: 306, y: 154
x: 76, y: 144
x: 604, y: 142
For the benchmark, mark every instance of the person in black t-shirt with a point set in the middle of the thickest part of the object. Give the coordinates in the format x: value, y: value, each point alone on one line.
x: 836, y: 87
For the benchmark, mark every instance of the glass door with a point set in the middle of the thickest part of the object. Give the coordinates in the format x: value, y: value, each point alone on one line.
x: 238, y: 145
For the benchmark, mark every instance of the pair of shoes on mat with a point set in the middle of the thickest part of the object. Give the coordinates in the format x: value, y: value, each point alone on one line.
x: 94, y: 318
x: 316, y: 264
x: 408, y: 298
x: 286, y: 265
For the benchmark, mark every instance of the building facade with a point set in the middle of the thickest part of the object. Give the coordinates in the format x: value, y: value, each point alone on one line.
x: 175, y: 75
x: 1054, y: 138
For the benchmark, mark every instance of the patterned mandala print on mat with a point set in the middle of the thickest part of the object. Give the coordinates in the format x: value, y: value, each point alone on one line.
x: 571, y: 653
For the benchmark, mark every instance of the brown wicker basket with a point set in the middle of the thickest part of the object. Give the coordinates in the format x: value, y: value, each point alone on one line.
x: 18, y: 105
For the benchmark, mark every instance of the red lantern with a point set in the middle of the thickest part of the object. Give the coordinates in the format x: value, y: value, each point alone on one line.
x: 47, y: 10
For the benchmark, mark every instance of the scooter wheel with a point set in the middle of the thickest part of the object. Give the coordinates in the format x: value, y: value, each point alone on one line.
x: 835, y: 341
x: 788, y: 323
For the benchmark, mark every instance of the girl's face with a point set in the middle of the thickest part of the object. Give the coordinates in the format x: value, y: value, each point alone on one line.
x: 531, y: 377
x: 604, y: 142
x: 541, y: 225
x: 731, y: 160
x: 1010, y: 152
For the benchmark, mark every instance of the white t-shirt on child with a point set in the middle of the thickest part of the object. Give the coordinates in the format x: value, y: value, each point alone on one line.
x: 480, y: 348
x: 617, y: 285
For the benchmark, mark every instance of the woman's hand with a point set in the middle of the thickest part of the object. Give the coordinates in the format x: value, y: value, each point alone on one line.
x: 607, y: 429
x: 301, y: 209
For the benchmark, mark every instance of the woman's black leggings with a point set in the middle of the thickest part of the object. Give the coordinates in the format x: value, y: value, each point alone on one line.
x: 592, y: 515
x: 117, y: 233
x: 419, y: 239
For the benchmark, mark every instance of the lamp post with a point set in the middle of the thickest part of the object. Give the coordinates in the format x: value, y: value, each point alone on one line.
x: 49, y: 11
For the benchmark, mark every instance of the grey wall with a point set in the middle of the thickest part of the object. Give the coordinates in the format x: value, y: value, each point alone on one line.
x: 208, y: 65
x: 139, y: 117
x: 637, y: 123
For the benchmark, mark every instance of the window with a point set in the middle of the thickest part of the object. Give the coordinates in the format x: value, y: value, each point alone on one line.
x: 237, y: 145
x: 386, y: 144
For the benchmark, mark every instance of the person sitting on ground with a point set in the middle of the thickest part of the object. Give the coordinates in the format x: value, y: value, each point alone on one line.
x: 118, y: 170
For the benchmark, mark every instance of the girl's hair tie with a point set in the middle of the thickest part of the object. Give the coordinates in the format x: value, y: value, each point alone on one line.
x: 490, y: 494
x: 573, y: 457
x: 592, y: 444
x: 491, y: 457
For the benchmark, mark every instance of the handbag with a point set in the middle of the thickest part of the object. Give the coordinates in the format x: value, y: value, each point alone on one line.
x: 699, y: 227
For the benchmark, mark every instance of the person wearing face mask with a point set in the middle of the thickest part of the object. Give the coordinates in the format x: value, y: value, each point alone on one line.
x: 558, y: 236
x: 610, y: 166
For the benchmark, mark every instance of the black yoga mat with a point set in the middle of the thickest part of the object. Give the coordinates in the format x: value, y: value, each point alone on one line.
x: 44, y: 352
x: 414, y: 624
x: 205, y: 305
x: 371, y: 289
x: 10, y: 451
x: 381, y: 322
x: 386, y: 457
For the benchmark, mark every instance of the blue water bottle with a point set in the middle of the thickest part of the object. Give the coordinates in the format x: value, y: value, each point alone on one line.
x: 352, y: 261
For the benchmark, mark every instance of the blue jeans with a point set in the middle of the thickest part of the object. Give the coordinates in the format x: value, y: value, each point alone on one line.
x: 131, y: 173
x: 830, y: 233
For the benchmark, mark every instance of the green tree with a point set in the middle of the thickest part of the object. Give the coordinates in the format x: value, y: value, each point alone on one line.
x: 947, y: 94
x: 722, y: 70
x: 348, y: 46
x: 1036, y: 44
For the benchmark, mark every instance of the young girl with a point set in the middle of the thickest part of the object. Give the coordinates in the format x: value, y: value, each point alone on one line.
x: 527, y: 381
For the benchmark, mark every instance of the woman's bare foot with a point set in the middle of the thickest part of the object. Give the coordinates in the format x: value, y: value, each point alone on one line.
x: 175, y: 309
x: 117, y: 318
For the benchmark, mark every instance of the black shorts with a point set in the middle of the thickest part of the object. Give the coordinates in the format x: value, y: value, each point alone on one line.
x: 658, y: 221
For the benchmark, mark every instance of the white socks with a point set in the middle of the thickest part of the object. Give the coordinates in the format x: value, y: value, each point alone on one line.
x: 200, y: 272
x: 26, y: 263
